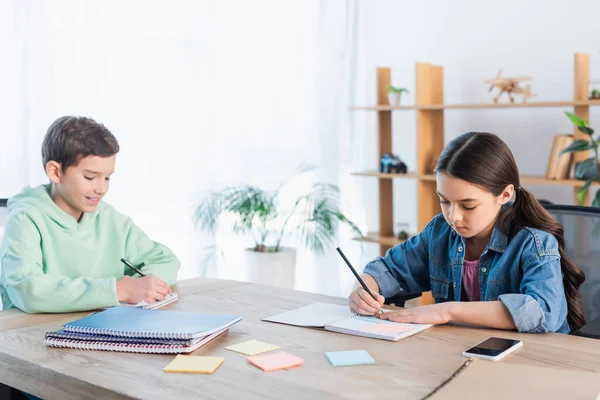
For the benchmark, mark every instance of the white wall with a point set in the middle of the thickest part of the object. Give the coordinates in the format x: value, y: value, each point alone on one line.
x: 200, y: 95
x: 472, y: 40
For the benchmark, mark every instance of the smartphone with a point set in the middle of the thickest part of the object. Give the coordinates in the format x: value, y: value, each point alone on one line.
x: 493, y: 348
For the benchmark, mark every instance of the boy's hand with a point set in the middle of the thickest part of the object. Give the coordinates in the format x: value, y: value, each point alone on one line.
x: 362, y: 303
x: 147, y: 288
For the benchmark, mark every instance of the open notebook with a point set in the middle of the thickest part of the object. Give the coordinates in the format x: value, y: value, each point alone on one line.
x: 338, y: 318
x: 168, y: 299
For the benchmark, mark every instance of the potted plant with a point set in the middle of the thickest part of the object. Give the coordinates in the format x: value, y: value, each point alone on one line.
x: 309, y: 219
x: 586, y: 169
x: 394, y: 95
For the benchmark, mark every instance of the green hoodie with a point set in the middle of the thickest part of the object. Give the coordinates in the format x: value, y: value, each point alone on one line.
x: 51, y: 263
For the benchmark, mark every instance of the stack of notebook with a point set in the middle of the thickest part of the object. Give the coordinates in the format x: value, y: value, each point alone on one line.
x: 141, y: 331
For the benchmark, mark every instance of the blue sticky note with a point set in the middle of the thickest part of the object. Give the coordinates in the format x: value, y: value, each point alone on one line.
x: 352, y: 357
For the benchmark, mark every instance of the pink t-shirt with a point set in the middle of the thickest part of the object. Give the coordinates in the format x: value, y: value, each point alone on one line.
x: 470, y: 281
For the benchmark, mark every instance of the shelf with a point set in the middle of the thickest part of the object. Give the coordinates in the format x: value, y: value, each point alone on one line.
x: 431, y: 107
x: 410, y: 175
x: 373, y: 237
x: 525, y: 179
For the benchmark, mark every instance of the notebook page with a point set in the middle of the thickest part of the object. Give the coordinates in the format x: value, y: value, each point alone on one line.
x: 169, y: 298
x: 375, y: 328
x: 315, y: 315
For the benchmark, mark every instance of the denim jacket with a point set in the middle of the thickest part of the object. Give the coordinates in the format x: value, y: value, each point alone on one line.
x: 522, y: 272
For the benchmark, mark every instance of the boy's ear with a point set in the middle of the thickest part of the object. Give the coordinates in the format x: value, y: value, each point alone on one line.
x: 54, y: 171
x: 506, y: 194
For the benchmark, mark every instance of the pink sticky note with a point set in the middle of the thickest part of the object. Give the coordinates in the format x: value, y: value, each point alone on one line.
x: 389, y: 328
x: 273, y: 362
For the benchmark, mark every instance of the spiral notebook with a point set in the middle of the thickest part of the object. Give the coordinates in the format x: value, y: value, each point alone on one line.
x: 338, y: 318
x: 61, y: 334
x: 130, y: 345
x: 135, y: 322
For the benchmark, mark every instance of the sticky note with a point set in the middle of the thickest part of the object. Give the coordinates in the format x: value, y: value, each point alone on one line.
x: 252, y: 347
x: 273, y: 362
x: 391, y: 328
x: 194, y: 364
x: 351, y: 357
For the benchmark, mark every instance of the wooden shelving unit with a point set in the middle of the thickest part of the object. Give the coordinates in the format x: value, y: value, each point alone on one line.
x: 545, y: 104
x: 429, y: 109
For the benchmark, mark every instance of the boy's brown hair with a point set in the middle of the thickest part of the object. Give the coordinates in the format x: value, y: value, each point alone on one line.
x: 69, y: 139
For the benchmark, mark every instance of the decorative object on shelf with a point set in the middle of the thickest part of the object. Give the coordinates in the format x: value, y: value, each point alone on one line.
x: 586, y: 169
x: 510, y: 85
x: 402, y: 228
x: 559, y: 164
x: 594, y: 91
x: 394, y: 95
x: 391, y: 163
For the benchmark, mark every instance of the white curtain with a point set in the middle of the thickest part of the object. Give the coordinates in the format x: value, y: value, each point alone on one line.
x: 200, y: 94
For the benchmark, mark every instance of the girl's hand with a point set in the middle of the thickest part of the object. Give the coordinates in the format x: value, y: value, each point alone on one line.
x: 362, y: 303
x: 432, y: 314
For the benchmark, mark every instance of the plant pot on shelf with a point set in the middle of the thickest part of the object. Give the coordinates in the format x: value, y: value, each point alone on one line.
x: 587, y: 169
x: 394, y: 98
x: 270, y: 268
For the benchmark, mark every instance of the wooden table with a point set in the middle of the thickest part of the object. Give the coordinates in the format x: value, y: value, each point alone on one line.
x: 408, y: 369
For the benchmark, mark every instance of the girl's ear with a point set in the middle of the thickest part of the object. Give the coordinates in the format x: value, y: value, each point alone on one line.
x: 506, y: 194
x: 53, y: 170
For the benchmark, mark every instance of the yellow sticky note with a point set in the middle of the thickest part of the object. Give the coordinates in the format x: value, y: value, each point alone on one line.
x: 252, y: 347
x: 194, y: 364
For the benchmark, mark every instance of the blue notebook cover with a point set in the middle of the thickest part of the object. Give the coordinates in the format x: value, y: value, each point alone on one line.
x: 141, y: 323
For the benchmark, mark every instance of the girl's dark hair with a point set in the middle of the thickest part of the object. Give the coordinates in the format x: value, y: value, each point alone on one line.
x: 485, y: 160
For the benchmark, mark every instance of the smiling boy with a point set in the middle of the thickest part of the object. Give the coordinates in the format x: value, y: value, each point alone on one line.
x: 62, y: 244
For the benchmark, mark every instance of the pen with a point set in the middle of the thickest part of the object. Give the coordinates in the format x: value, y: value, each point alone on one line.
x: 362, y: 283
x: 124, y: 261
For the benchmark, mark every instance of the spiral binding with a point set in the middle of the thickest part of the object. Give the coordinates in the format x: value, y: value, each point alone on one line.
x: 108, y: 338
x: 127, y: 334
x: 122, y: 347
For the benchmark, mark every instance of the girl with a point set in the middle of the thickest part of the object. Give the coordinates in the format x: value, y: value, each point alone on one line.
x: 494, y: 258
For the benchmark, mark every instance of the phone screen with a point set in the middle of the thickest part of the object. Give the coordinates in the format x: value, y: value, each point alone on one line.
x: 493, y: 346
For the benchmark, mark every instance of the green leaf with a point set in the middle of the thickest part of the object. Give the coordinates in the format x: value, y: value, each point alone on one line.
x: 578, y: 145
x: 596, y: 202
x: 581, y: 193
x: 575, y: 119
x: 585, y: 166
x: 586, y: 129
x: 397, y: 90
x: 249, y: 210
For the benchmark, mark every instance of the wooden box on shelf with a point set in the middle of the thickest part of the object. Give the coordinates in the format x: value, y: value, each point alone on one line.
x: 559, y: 166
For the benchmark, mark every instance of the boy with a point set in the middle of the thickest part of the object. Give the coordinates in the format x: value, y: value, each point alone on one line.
x: 62, y: 245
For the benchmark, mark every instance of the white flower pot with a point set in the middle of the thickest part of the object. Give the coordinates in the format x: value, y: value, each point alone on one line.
x: 272, y: 269
x: 394, y: 98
